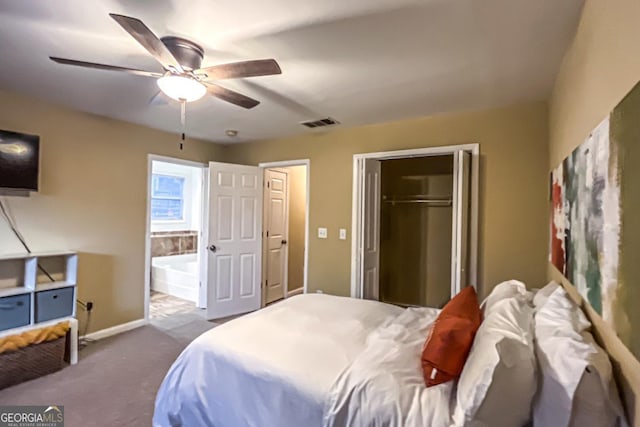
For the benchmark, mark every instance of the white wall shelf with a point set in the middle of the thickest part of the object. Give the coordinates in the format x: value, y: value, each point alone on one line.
x: 53, y: 285
x: 4, y: 257
x: 20, y: 275
x: 15, y: 290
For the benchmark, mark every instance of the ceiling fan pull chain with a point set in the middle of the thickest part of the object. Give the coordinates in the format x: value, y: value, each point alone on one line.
x: 183, y: 121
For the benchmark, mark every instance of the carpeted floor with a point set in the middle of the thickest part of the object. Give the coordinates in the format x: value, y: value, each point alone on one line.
x: 116, y: 379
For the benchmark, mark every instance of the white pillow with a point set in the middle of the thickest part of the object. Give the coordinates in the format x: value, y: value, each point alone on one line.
x: 577, y: 387
x: 542, y: 295
x: 508, y: 289
x: 499, y: 381
x: 559, y: 314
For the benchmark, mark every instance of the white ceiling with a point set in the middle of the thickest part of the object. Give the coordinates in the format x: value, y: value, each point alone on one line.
x: 359, y: 61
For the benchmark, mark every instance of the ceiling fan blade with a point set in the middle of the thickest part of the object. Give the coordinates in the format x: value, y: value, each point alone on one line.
x: 104, y: 67
x: 234, y: 70
x: 231, y: 96
x: 148, y: 40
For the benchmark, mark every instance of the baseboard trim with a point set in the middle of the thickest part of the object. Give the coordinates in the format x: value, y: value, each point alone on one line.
x: 115, y: 330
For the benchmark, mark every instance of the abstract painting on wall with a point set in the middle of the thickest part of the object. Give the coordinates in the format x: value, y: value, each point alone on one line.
x: 594, y: 230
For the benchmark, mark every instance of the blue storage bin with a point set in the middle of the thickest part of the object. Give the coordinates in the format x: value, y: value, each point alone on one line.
x: 14, y: 311
x: 54, y: 304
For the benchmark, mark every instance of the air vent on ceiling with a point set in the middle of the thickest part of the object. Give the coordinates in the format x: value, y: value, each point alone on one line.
x: 320, y: 123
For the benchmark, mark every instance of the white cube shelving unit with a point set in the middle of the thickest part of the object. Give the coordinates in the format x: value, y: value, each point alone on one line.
x: 20, y: 275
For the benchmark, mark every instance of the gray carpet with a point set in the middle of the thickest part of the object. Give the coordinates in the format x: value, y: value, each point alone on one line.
x: 116, y: 379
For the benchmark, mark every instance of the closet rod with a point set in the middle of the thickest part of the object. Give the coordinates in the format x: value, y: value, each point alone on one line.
x: 434, y: 203
x: 417, y: 197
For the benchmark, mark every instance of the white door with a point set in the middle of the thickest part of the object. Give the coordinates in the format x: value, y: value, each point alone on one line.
x: 371, y: 230
x: 460, y: 221
x: 276, y: 233
x: 234, y: 243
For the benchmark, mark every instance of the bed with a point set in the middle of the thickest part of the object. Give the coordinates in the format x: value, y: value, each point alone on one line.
x: 311, y: 360
x: 327, y: 361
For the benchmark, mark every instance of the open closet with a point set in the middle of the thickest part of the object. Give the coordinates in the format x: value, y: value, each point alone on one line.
x: 415, y: 230
x: 416, y: 225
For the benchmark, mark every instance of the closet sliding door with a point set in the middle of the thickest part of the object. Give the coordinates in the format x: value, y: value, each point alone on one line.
x: 460, y: 221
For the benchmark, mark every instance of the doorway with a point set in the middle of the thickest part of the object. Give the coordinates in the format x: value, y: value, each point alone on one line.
x: 284, y: 229
x: 415, y: 224
x: 235, y: 235
x: 175, y: 203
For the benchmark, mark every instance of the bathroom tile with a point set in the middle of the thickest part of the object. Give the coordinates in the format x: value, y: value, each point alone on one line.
x: 173, y: 245
x: 187, y: 244
x: 166, y: 243
x: 157, y: 248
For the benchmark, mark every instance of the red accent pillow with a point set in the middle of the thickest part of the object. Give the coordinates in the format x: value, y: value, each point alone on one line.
x: 450, y: 339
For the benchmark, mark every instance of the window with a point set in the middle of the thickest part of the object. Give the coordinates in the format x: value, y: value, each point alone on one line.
x: 167, y: 198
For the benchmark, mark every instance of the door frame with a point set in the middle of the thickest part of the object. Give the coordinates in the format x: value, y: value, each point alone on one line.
x: 284, y: 164
x: 357, y: 220
x: 147, y: 246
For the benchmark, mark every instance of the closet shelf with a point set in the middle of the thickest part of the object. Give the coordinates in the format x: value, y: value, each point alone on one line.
x: 419, y: 199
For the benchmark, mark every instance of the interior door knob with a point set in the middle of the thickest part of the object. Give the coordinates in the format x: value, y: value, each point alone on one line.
x: 213, y: 248
x: 284, y: 242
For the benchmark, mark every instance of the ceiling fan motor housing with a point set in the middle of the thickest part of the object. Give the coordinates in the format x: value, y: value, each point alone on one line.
x: 187, y: 53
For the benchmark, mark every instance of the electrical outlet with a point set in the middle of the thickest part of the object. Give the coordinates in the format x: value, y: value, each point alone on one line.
x: 322, y: 233
x: 343, y: 234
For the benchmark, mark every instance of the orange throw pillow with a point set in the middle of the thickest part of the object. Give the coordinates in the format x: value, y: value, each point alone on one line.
x: 451, y: 337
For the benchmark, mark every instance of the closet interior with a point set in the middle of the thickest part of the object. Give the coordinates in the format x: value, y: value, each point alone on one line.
x: 416, y: 214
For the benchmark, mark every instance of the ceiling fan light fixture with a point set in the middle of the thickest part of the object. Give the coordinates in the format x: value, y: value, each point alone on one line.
x: 181, y: 88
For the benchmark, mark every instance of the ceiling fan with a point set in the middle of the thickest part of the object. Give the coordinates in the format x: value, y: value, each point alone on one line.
x: 183, y: 79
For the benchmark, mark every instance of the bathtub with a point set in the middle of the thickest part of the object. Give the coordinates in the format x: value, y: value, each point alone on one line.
x: 176, y: 275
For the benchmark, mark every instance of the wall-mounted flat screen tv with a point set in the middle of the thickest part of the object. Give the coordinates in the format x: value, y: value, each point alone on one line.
x: 19, y: 160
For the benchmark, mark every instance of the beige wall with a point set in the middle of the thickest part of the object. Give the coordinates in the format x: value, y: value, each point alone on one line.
x: 600, y: 67
x: 297, y: 212
x: 93, y: 177
x: 514, y: 165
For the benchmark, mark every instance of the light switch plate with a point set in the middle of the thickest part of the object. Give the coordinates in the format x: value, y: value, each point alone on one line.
x: 343, y: 234
x: 322, y: 233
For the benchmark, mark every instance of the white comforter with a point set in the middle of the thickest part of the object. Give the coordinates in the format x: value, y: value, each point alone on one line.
x: 384, y: 385
x: 311, y: 360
